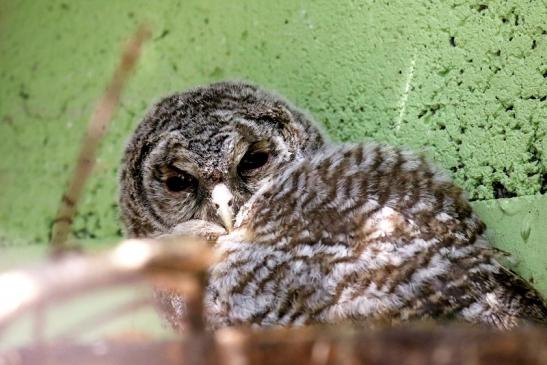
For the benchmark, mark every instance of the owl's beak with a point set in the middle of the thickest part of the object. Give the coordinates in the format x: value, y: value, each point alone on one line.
x: 222, y: 198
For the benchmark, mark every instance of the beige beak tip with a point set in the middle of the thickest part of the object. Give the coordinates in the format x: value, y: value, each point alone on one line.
x: 222, y: 198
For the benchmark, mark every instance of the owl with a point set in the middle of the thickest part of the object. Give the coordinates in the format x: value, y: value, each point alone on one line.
x: 309, y: 232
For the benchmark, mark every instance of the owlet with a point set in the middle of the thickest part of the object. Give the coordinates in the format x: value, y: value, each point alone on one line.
x: 322, y: 234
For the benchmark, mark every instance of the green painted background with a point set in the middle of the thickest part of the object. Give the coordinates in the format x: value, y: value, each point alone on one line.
x: 463, y: 80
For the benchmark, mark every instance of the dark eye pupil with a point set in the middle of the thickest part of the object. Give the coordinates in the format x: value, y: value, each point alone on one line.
x: 253, y: 160
x: 179, y: 183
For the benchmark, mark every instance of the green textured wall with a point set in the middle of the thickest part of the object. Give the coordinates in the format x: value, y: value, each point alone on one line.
x: 463, y: 80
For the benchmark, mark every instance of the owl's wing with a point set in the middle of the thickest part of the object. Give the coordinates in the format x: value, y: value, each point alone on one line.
x: 520, y: 301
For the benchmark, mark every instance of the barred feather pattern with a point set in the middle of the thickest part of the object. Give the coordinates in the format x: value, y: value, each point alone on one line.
x: 363, y: 232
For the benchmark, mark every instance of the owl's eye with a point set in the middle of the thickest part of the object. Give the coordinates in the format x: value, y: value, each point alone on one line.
x: 180, y: 182
x: 252, y: 160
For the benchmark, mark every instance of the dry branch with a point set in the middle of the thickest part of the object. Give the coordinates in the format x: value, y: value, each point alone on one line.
x: 176, y: 262
x: 406, y: 345
x: 76, y: 273
x: 97, y: 126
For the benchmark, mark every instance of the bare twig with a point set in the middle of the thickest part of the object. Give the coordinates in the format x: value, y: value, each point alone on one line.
x: 166, y: 258
x: 74, y: 274
x: 96, y: 128
x: 405, y: 345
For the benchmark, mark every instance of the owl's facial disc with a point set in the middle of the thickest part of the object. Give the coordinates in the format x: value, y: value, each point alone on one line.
x: 222, y: 198
x: 229, y: 133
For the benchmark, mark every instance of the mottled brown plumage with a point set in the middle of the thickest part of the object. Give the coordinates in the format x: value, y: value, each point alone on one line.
x: 322, y: 233
x: 364, y: 232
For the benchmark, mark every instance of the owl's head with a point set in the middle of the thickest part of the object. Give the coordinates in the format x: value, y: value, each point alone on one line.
x: 198, y: 153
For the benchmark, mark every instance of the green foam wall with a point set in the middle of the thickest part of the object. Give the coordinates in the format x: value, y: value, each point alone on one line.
x: 463, y: 80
